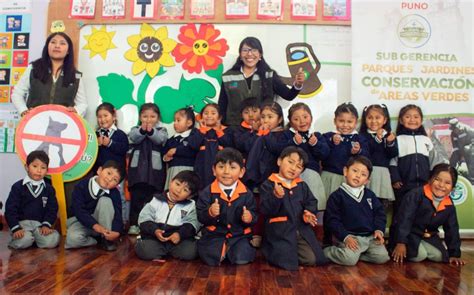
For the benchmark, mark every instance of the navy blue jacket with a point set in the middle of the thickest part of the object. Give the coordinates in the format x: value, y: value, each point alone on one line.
x: 380, y: 153
x: 116, y: 151
x: 345, y: 216
x: 340, y: 154
x: 418, y: 215
x: 22, y: 205
x: 244, y: 138
x: 315, y: 153
x: 185, y: 155
x: 206, y: 142
x: 283, y: 218
x: 84, y: 203
x: 262, y: 159
x: 412, y: 166
x: 227, y: 230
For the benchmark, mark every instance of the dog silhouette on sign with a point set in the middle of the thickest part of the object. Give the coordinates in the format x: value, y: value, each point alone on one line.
x: 54, y: 129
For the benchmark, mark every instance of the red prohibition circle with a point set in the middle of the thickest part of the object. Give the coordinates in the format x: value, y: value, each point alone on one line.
x: 82, y: 142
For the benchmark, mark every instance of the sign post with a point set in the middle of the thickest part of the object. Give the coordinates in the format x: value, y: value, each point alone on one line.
x: 62, y: 135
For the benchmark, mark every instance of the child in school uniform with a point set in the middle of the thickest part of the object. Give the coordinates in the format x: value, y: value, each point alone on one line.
x: 263, y: 155
x: 422, y: 212
x: 146, y: 171
x: 169, y: 223
x: 177, y: 153
x: 97, y: 210
x: 212, y: 137
x: 290, y: 211
x: 300, y: 134
x: 343, y: 143
x: 31, y: 208
x: 227, y: 210
x: 113, y: 145
x: 383, y: 146
x: 246, y: 134
x: 356, y: 218
x: 113, y: 142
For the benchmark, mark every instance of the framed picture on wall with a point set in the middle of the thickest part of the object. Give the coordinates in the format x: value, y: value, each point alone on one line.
x: 237, y: 9
x: 336, y: 9
x: 82, y: 9
x: 144, y: 9
x: 113, y: 8
x: 270, y: 9
x: 202, y: 9
x: 172, y: 9
x: 303, y: 9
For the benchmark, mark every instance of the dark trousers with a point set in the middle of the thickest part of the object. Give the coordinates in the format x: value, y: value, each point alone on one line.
x: 141, y: 194
x: 149, y: 249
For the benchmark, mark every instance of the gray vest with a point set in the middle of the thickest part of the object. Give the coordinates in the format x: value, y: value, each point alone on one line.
x: 52, y: 93
x: 237, y: 91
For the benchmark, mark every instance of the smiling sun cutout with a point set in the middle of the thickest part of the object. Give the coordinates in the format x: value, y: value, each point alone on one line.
x: 99, y: 41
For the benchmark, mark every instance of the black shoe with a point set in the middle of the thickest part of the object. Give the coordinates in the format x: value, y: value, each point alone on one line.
x: 107, y: 245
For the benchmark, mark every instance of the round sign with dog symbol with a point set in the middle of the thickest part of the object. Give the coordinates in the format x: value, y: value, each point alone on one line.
x: 55, y: 130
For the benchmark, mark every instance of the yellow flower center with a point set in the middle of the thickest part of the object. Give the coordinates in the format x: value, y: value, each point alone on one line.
x: 200, y: 47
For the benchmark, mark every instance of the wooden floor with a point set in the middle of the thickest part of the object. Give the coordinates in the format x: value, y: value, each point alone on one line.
x: 84, y: 271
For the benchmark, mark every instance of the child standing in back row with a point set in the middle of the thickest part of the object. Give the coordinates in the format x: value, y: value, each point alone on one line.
x: 301, y: 134
x: 376, y: 130
x: 146, y: 172
x: 178, y: 154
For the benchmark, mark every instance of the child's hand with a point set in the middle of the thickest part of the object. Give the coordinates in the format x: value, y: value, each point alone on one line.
x: 175, y: 238
x: 144, y: 126
x: 310, y: 218
x: 298, y: 138
x: 378, y: 237
x: 44, y: 230
x: 397, y: 185
x: 110, y: 235
x: 380, y: 133
x: 299, y: 78
x: 149, y: 127
x: 71, y: 109
x: 159, y: 235
x: 351, y: 243
x: 391, y: 137
x: 399, y: 253
x: 355, y: 148
x: 278, y: 191
x: 99, y: 140
x: 105, y: 140
x: 256, y: 125
x: 99, y: 229
x: 169, y: 155
x: 336, y: 138
x: 19, y: 234
x: 456, y: 261
x: 246, y: 215
x: 215, y: 209
x: 313, y: 140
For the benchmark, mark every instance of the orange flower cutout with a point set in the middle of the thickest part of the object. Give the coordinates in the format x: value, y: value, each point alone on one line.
x: 199, y: 49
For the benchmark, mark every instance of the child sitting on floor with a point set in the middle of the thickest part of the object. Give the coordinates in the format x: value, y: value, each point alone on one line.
x: 169, y: 223
x: 97, y: 209
x: 290, y: 211
x: 228, y: 210
x: 356, y: 217
x: 32, y: 208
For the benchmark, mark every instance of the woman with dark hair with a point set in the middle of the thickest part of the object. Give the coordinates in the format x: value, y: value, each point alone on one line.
x: 52, y: 79
x: 422, y: 211
x: 251, y: 76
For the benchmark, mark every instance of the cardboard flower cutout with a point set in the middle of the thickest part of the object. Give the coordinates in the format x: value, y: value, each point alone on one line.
x: 150, y: 50
x: 199, y: 49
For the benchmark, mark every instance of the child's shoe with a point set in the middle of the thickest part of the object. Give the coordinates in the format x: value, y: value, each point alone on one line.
x: 134, y: 230
x: 107, y: 245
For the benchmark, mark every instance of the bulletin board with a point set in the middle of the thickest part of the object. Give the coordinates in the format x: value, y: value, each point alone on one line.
x: 60, y: 9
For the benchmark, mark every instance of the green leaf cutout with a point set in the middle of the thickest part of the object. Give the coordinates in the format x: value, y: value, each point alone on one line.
x: 217, y: 73
x: 196, y: 92
x: 116, y: 89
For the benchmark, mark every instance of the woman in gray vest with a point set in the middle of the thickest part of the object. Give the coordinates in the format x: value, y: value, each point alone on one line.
x: 52, y: 79
x: 251, y: 76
